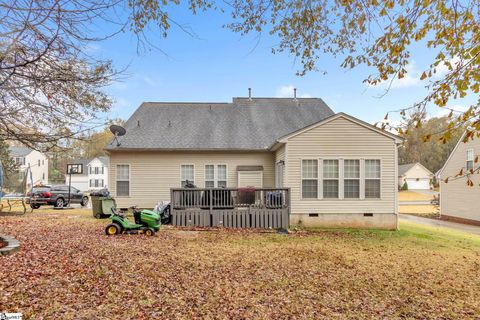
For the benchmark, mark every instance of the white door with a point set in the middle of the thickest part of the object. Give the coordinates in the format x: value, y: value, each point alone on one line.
x: 418, y: 184
x: 250, y: 179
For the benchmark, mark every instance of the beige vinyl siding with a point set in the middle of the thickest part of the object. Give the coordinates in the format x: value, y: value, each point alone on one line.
x: 154, y: 173
x: 342, y: 138
x: 456, y: 198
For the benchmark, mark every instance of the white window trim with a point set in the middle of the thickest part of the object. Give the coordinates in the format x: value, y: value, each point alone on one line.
x: 467, y: 160
x: 341, y: 179
x: 129, y: 179
x: 215, y: 174
x: 301, y: 178
x: 180, y: 172
x: 359, y: 178
x: 381, y: 180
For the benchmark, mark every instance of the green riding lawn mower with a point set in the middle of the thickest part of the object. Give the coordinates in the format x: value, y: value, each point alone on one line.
x: 146, y: 222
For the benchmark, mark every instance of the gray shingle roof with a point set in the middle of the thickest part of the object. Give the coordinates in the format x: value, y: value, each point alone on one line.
x: 241, y: 125
x: 19, y: 151
x: 404, y: 168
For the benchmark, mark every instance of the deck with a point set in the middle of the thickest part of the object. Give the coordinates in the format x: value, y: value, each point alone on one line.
x: 231, y: 207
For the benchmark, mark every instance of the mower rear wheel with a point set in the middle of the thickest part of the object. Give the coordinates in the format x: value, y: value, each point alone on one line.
x: 149, y: 232
x: 113, y: 229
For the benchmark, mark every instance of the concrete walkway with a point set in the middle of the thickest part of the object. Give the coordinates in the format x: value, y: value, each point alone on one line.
x: 440, y: 223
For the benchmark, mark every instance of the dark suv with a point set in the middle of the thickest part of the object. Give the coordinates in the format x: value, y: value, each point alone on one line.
x: 56, y: 196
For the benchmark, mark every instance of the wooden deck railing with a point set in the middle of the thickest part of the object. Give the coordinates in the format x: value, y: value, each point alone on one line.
x: 231, y: 207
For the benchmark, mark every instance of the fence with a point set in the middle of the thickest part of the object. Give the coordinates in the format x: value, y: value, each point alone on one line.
x: 231, y: 207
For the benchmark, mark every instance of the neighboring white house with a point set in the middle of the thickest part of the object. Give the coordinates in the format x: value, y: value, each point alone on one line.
x: 94, y: 176
x: 458, y: 201
x: 415, y: 175
x: 38, y: 162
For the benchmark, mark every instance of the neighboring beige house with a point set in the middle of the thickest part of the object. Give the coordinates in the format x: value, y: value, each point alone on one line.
x: 94, y: 175
x: 415, y: 175
x: 340, y: 170
x: 28, y: 158
x: 457, y: 200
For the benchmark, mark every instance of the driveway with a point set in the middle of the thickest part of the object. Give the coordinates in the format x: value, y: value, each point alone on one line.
x: 441, y: 223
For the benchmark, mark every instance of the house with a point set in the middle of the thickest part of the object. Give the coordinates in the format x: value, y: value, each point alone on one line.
x: 28, y: 158
x: 94, y: 175
x: 415, y: 175
x: 458, y: 201
x: 341, y: 171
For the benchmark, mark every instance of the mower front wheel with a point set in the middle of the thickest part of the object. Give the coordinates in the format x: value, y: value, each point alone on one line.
x: 149, y: 232
x: 113, y: 229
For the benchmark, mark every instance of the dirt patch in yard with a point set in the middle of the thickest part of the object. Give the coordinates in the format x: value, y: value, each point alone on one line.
x: 413, y: 196
x: 426, y: 211
x: 416, y: 272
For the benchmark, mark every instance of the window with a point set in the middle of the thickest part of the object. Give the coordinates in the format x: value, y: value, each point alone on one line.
x: 39, y: 162
x: 372, y: 179
x: 19, y: 161
x: 187, y: 174
x: 103, y: 170
x: 309, y: 179
x: 330, y: 179
x: 222, y: 176
x: 100, y: 184
x: 209, y: 176
x: 215, y: 179
x: 96, y: 170
x: 351, y: 175
x: 470, y: 156
x: 43, y: 176
x: 91, y: 183
x: 123, y: 180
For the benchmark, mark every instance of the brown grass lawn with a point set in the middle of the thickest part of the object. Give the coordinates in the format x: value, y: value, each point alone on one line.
x: 67, y: 268
x: 427, y: 211
x: 413, y: 196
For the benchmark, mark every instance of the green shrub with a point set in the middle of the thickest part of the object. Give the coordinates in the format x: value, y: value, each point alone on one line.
x: 405, y: 186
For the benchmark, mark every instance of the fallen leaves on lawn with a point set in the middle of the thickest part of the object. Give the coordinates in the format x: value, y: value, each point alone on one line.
x: 68, y: 269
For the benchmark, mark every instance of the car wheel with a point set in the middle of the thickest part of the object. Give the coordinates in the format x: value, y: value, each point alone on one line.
x: 112, y: 229
x: 84, y: 202
x: 34, y: 206
x: 60, y: 203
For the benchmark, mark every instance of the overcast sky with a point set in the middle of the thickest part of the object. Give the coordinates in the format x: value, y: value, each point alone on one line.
x: 217, y: 65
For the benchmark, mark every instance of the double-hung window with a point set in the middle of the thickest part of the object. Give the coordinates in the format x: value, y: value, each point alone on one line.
x: 330, y: 179
x: 341, y: 179
x: 215, y: 176
x: 123, y: 180
x: 470, y: 157
x: 351, y: 176
x: 187, y: 174
x: 309, y: 179
x: 372, y: 179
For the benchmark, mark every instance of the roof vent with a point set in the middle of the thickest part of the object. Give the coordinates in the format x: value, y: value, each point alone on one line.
x: 295, y: 94
x: 250, y: 94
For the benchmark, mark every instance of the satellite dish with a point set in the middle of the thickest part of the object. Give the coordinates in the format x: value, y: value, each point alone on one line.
x: 118, y: 131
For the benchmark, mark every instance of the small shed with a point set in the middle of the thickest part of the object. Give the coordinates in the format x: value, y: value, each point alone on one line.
x: 415, y: 175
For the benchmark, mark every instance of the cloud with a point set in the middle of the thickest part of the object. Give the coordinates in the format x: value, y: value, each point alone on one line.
x: 443, y: 112
x: 151, y: 82
x: 410, y: 79
x: 287, y: 92
x: 442, y: 68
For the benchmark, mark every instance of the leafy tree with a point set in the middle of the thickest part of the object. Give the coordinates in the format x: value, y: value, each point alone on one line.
x: 431, y: 153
